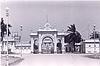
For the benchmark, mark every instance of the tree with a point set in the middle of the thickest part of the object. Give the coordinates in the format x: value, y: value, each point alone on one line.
x: 73, y: 37
x: 95, y: 35
x: 4, y: 29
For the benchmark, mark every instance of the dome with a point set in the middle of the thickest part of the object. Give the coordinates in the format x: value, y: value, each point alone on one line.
x: 47, y: 25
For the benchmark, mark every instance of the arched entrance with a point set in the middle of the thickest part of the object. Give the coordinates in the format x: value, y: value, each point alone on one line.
x: 47, y: 46
x: 36, y: 50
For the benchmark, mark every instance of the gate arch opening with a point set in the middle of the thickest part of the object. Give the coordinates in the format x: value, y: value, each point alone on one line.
x: 47, y: 46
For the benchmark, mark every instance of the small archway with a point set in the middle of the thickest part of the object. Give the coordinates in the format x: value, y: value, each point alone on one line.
x: 36, y: 46
x: 47, y: 46
x: 59, y: 46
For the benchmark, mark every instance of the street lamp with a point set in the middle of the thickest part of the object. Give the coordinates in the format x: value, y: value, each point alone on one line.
x: 94, y: 30
x: 7, y: 20
x: 94, y: 37
x: 21, y: 28
x: 0, y: 54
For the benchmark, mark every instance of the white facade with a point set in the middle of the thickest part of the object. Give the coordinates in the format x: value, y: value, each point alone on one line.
x: 11, y: 44
x: 24, y: 48
x: 92, y: 46
x: 46, y: 36
x: 15, y: 46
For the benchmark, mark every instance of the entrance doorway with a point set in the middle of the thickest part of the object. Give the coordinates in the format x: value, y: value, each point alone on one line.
x: 47, y: 45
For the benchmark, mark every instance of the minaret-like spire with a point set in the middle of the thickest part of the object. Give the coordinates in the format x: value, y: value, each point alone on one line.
x: 94, y: 30
x: 47, y: 25
x: 47, y: 18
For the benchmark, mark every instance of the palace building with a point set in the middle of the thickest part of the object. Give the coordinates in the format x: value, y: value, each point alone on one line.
x: 92, y: 46
x: 46, y: 39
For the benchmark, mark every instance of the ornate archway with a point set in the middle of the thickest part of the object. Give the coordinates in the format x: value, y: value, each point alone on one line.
x: 36, y: 50
x: 47, y: 45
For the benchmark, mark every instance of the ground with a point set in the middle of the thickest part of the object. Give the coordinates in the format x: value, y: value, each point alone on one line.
x: 13, y: 59
x: 68, y: 59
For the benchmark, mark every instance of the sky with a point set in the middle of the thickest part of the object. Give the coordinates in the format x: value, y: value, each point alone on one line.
x: 33, y: 14
x: 49, y: 0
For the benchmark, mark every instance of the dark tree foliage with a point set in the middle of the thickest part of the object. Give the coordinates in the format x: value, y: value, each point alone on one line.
x: 4, y: 29
x: 73, y: 36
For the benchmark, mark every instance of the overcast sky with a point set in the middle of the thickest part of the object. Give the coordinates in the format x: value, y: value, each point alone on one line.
x: 49, y: 0
x: 32, y: 15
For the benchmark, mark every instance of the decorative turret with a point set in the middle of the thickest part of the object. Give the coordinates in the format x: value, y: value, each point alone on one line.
x: 47, y: 27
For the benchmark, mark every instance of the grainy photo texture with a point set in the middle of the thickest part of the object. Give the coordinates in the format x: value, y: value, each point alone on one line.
x: 49, y: 33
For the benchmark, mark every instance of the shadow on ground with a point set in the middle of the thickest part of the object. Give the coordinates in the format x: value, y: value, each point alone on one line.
x: 12, y: 60
x: 93, y: 56
x: 16, y: 62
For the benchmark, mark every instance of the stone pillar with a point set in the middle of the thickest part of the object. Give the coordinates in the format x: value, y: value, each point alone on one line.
x: 55, y: 43
x: 63, y: 47
x: 40, y: 42
x: 32, y: 42
x: 0, y: 53
x: 4, y: 46
x: 99, y: 48
x: 13, y: 47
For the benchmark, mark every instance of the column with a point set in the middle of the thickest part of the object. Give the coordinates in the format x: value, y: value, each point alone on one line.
x: 55, y: 43
x: 99, y: 48
x: 2, y: 46
x: 63, y: 47
x: 13, y: 47
x: 0, y: 54
x: 5, y: 46
x: 32, y: 42
x: 40, y: 39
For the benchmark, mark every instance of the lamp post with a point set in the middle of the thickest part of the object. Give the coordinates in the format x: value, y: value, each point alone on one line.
x: 7, y: 20
x: 0, y: 53
x: 21, y: 38
x: 94, y: 37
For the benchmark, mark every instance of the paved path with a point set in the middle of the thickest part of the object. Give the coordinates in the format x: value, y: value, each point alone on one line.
x: 12, y: 59
x: 58, y: 60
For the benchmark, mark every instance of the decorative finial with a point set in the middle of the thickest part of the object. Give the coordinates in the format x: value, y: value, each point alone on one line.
x: 47, y: 18
x: 94, y: 27
x: 7, y: 11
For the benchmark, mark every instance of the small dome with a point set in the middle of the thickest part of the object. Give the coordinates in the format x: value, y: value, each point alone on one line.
x: 47, y: 25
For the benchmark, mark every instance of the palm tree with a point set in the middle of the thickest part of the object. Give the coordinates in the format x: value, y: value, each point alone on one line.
x: 4, y: 29
x: 72, y: 37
